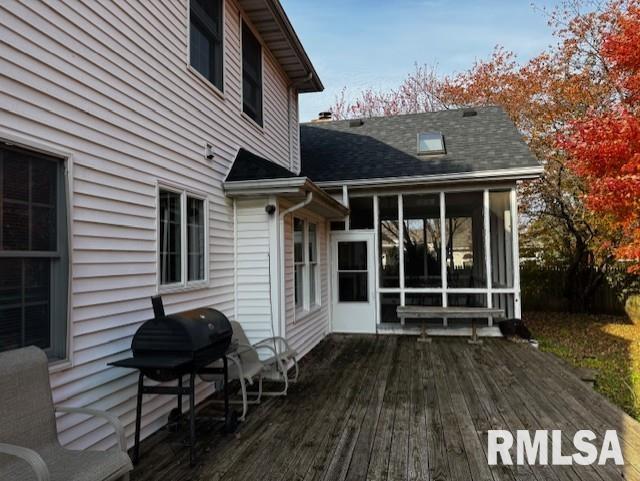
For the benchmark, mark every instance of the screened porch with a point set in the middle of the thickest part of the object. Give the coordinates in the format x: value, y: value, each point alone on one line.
x: 448, y: 249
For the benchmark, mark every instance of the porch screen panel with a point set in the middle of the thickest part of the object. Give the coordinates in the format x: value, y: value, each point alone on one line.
x: 361, y: 213
x: 464, y: 226
x: 389, y: 241
x: 506, y: 302
x: 33, y: 252
x: 389, y: 302
x: 422, y: 241
x: 501, y: 239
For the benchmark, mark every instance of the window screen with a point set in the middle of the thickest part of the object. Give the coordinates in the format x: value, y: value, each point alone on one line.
x: 205, y: 39
x: 298, y: 260
x: 353, y: 277
x: 195, y: 239
x: 251, y: 75
x: 170, y: 238
x: 33, y: 252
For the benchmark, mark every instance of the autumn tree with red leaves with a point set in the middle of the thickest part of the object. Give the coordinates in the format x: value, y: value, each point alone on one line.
x: 604, y: 146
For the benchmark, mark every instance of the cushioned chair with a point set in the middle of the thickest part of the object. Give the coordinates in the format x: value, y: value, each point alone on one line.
x: 246, y: 365
x: 29, y: 446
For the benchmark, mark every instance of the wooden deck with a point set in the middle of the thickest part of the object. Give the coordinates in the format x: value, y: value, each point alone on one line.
x: 388, y: 408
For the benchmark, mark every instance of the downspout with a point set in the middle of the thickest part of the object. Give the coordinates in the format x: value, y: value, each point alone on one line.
x: 282, y: 303
x: 289, y: 91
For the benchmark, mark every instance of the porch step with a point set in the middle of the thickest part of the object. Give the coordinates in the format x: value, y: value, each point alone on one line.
x: 415, y: 330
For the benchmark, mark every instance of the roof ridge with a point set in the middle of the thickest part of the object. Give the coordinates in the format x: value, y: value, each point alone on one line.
x: 412, y: 114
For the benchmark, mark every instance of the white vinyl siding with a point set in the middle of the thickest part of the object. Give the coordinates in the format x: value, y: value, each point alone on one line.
x: 252, y: 258
x: 110, y: 86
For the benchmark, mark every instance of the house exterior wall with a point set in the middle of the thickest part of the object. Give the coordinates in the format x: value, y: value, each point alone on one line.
x: 253, y: 274
x: 304, y: 331
x: 107, y: 84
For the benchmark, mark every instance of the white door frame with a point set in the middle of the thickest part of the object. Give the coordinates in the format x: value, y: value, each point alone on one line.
x: 366, y: 309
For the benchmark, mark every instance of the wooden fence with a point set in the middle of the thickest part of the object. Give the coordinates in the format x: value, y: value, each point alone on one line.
x: 542, y: 290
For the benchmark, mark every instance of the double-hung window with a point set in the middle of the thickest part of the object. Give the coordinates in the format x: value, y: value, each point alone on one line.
x: 205, y: 39
x: 251, y: 75
x: 33, y: 252
x: 182, y: 238
x: 305, y: 253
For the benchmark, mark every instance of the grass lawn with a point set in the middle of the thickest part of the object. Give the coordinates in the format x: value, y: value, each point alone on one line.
x: 610, y: 344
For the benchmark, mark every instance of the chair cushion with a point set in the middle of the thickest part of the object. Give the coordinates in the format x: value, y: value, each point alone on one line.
x: 68, y: 465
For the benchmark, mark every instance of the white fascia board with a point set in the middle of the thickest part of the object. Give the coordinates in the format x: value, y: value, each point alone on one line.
x: 292, y: 185
x: 520, y: 173
x: 264, y: 186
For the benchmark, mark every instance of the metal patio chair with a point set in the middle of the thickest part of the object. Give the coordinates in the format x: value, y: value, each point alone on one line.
x: 29, y: 446
x: 246, y: 366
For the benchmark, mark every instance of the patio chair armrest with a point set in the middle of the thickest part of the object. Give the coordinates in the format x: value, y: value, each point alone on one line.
x: 241, y: 347
x: 273, y: 340
x: 111, y: 419
x: 30, y: 456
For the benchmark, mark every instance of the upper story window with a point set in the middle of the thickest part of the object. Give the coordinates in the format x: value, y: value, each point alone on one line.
x: 182, y: 238
x: 33, y: 252
x: 431, y: 143
x: 205, y: 43
x: 251, y: 75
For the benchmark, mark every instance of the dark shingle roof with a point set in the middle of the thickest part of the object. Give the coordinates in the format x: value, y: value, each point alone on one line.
x: 249, y: 166
x: 387, y: 146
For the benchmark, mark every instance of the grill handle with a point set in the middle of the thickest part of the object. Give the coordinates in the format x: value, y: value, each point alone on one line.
x: 158, y: 307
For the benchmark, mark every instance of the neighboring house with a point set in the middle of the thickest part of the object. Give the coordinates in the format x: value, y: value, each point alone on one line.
x: 155, y: 148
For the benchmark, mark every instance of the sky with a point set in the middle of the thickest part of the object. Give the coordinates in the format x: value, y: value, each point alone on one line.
x: 361, y: 44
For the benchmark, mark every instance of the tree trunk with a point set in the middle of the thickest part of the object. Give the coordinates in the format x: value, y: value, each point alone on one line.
x: 582, y: 279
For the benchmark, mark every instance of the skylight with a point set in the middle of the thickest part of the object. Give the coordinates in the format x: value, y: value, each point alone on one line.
x: 431, y: 143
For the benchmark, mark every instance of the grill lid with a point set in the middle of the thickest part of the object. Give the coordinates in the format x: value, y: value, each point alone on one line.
x: 186, y: 332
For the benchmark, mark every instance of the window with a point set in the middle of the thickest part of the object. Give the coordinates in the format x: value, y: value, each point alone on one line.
x: 298, y: 260
x: 353, y: 276
x: 181, y: 219
x: 431, y: 143
x: 205, y: 39
x: 305, y: 260
x: 33, y: 252
x: 251, y: 75
x: 313, y: 262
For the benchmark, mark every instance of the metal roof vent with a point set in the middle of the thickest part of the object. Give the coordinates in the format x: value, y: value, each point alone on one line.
x: 469, y: 112
x: 356, y: 122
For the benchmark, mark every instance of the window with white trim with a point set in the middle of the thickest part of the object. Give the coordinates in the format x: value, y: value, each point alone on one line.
x: 182, y: 238
x: 305, y: 261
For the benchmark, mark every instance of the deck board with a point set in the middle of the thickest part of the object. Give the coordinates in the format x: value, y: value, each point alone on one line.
x: 389, y: 408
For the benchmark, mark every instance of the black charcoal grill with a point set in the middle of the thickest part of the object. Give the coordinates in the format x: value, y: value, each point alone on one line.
x: 167, y: 348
